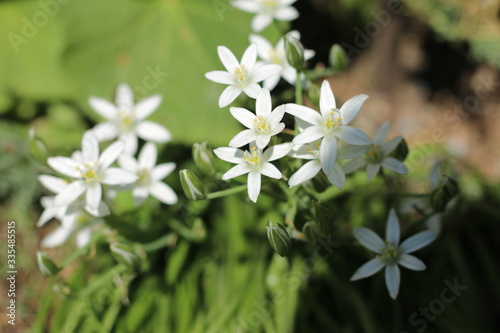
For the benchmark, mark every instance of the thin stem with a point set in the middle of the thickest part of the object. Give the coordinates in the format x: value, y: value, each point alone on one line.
x: 226, y: 192
x: 298, y: 89
x: 158, y: 243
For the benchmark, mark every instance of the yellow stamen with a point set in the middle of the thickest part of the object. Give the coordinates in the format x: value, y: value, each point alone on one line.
x: 240, y: 72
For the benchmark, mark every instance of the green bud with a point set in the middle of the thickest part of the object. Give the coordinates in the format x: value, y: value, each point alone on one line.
x: 62, y: 289
x: 294, y: 51
x: 126, y: 253
x: 443, y: 193
x: 278, y: 238
x: 37, y: 147
x: 324, y: 219
x: 401, y: 151
x: 338, y: 58
x: 310, y: 231
x: 204, y: 158
x: 46, y: 265
x: 192, y: 185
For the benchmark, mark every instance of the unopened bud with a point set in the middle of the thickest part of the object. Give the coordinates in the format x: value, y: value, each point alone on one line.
x: 278, y: 238
x: 204, y: 158
x: 37, y: 147
x: 338, y: 58
x: 443, y: 193
x: 310, y: 231
x: 324, y: 219
x: 45, y: 264
x: 401, y: 150
x: 294, y: 51
x: 126, y: 253
x: 192, y: 185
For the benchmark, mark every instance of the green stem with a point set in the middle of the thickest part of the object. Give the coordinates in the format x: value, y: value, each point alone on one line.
x: 298, y: 89
x: 157, y: 244
x: 226, y: 192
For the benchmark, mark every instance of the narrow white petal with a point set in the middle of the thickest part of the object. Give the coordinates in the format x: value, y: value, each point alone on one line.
x: 83, y: 237
x: 90, y: 148
x: 70, y: 193
x: 110, y: 154
x: 262, y: 140
x: 130, y: 140
x: 418, y: 241
x: 347, y: 151
x: 227, y: 58
x: 392, y: 279
x: 117, y: 176
x: 140, y: 194
x: 93, y: 195
x: 243, y: 116
x: 269, y: 170
x: 148, y: 156
x: 369, y: 239
x: 227, y: 154
x: 382, y: 134
x: 124, y: 96
x: 164, y: 193
x: 326, y: 99
x: 368, y: 269
x: 350, y: 110
x: 150, y: 131
x: 48, y: 214
x: 263, y: 105
x: 289, y: 74
x: 247, y: 6
x: 236, y: 171
x: 261, y: 21
x: 390, y: 145
x: 162, y: 170
x: 101, y: 210
x: 276, y: 152
x: 243, y: 138
x: 337, y: 176
x: 147, y: 106
x: 354, y: 165
x: 105, y: 131
x: 288, y: 3
x: 253, y: 185
x: 65, y: 165
x: 411, y: 262
x: 307, y: 114
x: 263, y: 46
x: 277, y: 115
x: 229, y: 95
x: 434, y: 223
x: 271, y: 82
x: 393, y: 164
x: 57, y: 237
x: 352, y: 135
x: 309, y: 134
x: 249, y: 57
x: 220, y: 77
x: 308, y: 54
x: 304, y: 151
x: 392, y: 230
x: 103, y: 107
x: 306, y: 172
x: 128, y: 162
x: 252, y: 90
x: 266, y: 71
x: 53, y: 184
x: 372, y: 170
x: 328, y: 153
x: 286, y: 14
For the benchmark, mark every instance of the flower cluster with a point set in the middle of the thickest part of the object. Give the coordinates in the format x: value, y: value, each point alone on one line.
x: 88, y: 177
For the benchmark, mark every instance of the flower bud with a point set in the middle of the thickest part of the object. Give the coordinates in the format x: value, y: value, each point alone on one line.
x: 294, y: 51
x: 37, y: 147
x: 310, y: 231
x: 401, y: 151
x: 192, y: 185
x: 278, y: 238
x: 324, y: 219
x: 443, y: 193
x: 126, y: 253
x: 45, y: 264
x: 204, y: 158
x: 338, y: 58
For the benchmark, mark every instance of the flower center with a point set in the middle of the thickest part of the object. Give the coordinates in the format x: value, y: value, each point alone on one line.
x: 252, y: 158
x: 270, y: 5
x: 314, y: 149
x: 260, y: 124
x: 89, y: 173
x: 143, y: 176
x: 276, y: 56
x: 333, y: 120
x: 374, y: 154
x: 389, y: 254
x: 241, y: 73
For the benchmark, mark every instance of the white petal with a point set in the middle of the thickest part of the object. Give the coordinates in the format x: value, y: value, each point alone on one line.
x: 369, y: 239
x: 130, y: 140
x: 326, y: 99
x: 306, y: 172
x: 147, y: 156
x: 352, y: 135
x: 229, y: 95
x: 124, y: 96
x: 276, y: 152
x: 411, y: 262
x: 65, y: 165
x: 243, y: 116
x: 93, y: 195
x: 228, y: 59
x: 162, y: 170
x: 393, y: 164
x: 83, y: 237
x: 102, y: 210
x: 262, y: 140
x: 236, y: 171
x: 382, y: 134
x: 263, y: 105
x: 110, y: 154
x: 140, y: 194
x: 147, y: 106
x: 392, y: 279
x: 263, y: 46
x: 57, y: 237
x: 328, y: 153
x: 304, y: 113
x: 418, y: 241
x: 350, y: 110
x: 247, y: 6
x: 337, y: 176
x: 286, y: 14
x: 220, y: 77
x: 252, y: 90
x: 266, y: 71
x: 390, y: 145
x: 269, y: 170
x: 150, y: 131
x: 90, y: 148
x: 304, y: 151
x: 392, y: 231
x: 347, y: 151
x: 253, y: 185
x: 368, y: 269
x: 117, y: 176
x: 354, y: 165
x: 249, y: 57
x: 261, y: 21
x: 128, y: 163
x: 70, y: 193
x: 243, y: 138
x: 232, y: 155
x: 434, y: 223
x: 48, y: 214
x: 163, y: 193
x: 103, y: 107
x: 372, y: 170
x: 289, y: 74
x: 105, y: 131
x: 309, y: 134
x: 277, y: 115
x: 271, y: 82
x: 53, y: 184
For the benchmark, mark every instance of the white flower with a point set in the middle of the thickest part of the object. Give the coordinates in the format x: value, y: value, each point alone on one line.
x: 377, y: 155
x: 126, y: 119
x: 267, y: 10
x: 390, y: 253
x: 255, y: 163
x: 276, y: 55
x: 240, y: 76
x: 329, y: 125
x: 262, y: 125
x: 149, y: 176
x: 90, y: 171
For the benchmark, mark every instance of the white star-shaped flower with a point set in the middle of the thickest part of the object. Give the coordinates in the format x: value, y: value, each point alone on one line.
x: 241, y: 77
x: 390, y: 253
x: 254, y: 162
x: 276, y: 55
x: 377, y: 155
x: 329, y: 125
x: 262, y: 125
x: 149, y: 175
x: 89, y: 171
x: 125, y: 120
x: 267, y: 10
